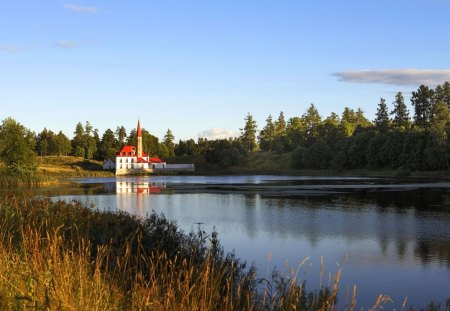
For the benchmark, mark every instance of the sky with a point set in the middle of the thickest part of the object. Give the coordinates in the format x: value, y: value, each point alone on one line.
x: 199, y: 67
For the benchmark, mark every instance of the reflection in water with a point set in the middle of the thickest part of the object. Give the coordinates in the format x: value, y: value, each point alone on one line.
x: 397, y: 238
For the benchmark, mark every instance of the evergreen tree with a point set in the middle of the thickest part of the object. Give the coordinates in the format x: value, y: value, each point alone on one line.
x: 121, y: 135
x: 361, y: 120
x: 296, y: 133
x: 266, y: 135
x: 85, y: 140
x: 169, y: 144
x: 400, y: 112
x: 108, y: 146
x: 312, y: 121
x: 442, y: 93
x: 248, y: 133
x: 77, y: 141
x: 382, y: 116
x: 422, y: 100
x: 280, y: 125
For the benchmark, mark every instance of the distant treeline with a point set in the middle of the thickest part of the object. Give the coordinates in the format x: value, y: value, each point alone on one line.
x: 347, y: 141
x: 350, y: 141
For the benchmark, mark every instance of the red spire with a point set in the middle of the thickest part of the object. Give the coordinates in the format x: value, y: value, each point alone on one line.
x: 139, y: 134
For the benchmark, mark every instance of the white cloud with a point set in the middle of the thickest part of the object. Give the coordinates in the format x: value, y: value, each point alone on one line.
x: 80, y: 9
x: 217, y: 133
x: 9, y: 48
x: 66, y: 44
x: 408, y: 76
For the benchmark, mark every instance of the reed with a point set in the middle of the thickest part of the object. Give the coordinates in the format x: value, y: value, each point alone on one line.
x: 66, y: 256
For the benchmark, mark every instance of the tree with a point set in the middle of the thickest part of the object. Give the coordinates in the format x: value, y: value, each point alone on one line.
x: 150, y: 143
x: 44, y: 142
x: 312, y: 121
x: 400, y: 112
x: 361, y: 120
x: 280, y: 125
x: 296, y: 133
x: 16, y: 148
x: 121, y: 135
x: 108, y: 146
x: 169, y: 144
x: 330, y: 131
x: 266, y: 135
x: 422, y: 100
x: 61, y: 144
x: 348, y: 121
x: 382, y: 116
x: 442, y: 93
x: 84, y: 142
x: 248, y: 133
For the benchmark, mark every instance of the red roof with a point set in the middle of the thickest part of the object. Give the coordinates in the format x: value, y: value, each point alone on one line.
x: 141, y: 160
x: 127, y: 151
x: 156, y: 160
x: 139, y: 134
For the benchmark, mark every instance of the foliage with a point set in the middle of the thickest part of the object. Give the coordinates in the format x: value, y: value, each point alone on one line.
x: 169, y: 144
x: 16, y: 148
x: 248, y: 133
x: 382, y: 116
x: 84, y: 142
x: 400, y: 112
x: 57, y: 255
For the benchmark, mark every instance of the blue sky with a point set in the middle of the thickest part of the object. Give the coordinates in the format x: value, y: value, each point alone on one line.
x: 201, y: 66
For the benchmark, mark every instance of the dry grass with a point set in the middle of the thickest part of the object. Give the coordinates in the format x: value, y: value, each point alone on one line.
x: 65, y: 256
x: 68, y: 166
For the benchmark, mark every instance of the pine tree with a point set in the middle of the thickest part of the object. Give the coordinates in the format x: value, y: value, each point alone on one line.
x: 423, y: 101
x: 382, y: 116
x: 280, y: 125
x: 267, y: 135
x: 169, y: 144
x: 248, y: 133
x: 400, y: 112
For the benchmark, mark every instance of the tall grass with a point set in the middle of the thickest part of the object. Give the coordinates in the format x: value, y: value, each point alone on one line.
x: 66, y: 256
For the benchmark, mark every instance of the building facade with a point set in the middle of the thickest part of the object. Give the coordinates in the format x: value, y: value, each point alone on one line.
x: 133, y: 159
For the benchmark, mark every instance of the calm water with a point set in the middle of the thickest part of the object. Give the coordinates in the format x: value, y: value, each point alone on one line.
x: 391, y: 236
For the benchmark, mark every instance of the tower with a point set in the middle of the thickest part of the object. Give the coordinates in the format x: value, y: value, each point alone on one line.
x: 139, y: 140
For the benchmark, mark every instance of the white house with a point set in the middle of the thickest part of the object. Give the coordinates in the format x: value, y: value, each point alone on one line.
x: 133, y: 160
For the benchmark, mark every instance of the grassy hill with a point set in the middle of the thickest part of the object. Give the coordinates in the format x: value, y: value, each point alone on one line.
x: 67, y: 166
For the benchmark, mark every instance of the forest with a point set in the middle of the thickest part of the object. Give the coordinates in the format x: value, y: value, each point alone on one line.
x: 396, y: 139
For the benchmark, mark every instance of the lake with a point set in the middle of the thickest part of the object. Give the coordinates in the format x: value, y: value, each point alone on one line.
x: 391, y: 236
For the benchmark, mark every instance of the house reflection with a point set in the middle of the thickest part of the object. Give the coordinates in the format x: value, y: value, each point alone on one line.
x: 136, y: 187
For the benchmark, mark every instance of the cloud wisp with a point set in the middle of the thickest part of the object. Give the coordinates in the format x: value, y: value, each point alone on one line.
x: 80, y: 9
x: 66, y: 44
x: 217, y: 133
x: 10, y: 48
x: 408, y: 76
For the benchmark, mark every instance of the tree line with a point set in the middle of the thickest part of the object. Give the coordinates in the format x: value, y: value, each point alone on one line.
x: 392, y: 140
x: 19, y: 146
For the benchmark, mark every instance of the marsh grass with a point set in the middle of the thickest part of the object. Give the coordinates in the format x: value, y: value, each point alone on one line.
x: 66, y: 256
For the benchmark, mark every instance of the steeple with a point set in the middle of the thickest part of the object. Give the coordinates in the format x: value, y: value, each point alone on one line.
x: 139, y: 134
x: 139, y: 140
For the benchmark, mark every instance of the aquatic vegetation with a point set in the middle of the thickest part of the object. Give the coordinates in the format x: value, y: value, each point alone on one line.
x: 67, y: 256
